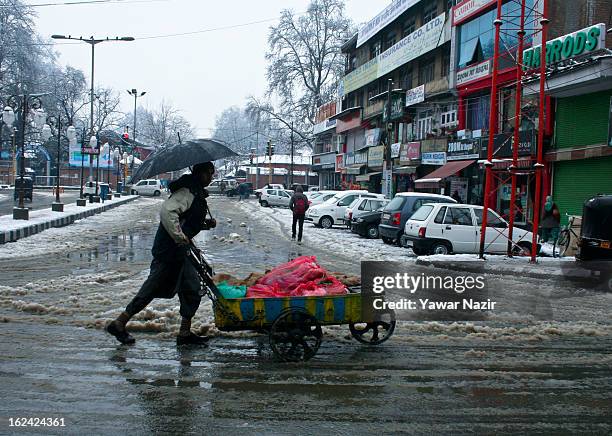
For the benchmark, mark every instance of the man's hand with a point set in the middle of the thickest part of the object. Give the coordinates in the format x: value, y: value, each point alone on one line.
x: 210, y: 223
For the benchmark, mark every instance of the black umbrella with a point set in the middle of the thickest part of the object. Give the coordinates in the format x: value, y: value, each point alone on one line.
x: 181, y: 156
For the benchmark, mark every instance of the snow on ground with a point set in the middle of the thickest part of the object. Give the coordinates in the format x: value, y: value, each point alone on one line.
x: 81, y: 234
x: 7, y: 222
x: 337, y: 239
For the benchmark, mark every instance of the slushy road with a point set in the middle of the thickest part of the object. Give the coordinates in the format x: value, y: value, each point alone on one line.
x: 60, y: 287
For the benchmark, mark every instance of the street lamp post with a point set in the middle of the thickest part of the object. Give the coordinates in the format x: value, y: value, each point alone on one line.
x: 46, y: 134
x: 115, y: 157
x: 23, y: 105
x: 8, y: 118
x: 134, y: 93
x: 93, y: 41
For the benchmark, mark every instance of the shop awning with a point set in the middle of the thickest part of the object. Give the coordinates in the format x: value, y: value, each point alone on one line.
x: 445, y: 171
x: 355, y: 170
x: 405, y: 170
x: 345, y: 112
x: 366, y: 177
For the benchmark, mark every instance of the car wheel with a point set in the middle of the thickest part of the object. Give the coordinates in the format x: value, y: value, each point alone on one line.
x: 387, y: 240
x: 156, y: 194
x: 373, y: 232
x: 522, y: 249
x: 326, y: 222
x: 264, y: 203
x: 440, y: 248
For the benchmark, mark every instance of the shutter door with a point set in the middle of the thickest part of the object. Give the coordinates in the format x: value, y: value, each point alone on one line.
x: 582, y: 120
x: 578, y: 180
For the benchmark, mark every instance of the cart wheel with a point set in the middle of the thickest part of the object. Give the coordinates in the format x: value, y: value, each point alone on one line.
x: 374, y: 333
x: 295, y: 335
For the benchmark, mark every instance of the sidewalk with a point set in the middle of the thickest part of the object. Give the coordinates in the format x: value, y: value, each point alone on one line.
x: 42, y: 219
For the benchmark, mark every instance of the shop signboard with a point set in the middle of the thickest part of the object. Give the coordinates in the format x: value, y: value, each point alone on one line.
x: 397, y: 108
x: 468, y: 8
x: 567, y: 46
x: 360, y: 76
x: 350, y: 123
x: 349, y: 158
x: 410, y: 152
x: 361, y: 157
x: 502, y: 145
x: 415, y: 95
x: 323, y: 126
x: 388, y: 15
x: 474, y: 72
x: 462, y: 150
x: 375, y: 156
x: 387, y: 182
x: 433, y: 158
x: 339, y: 162
x: 419, y: 42
x: 372, y: 137
x: 395, y: 150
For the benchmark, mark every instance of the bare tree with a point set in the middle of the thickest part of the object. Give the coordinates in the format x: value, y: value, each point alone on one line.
x: 106, y: 109
x: 23, y: 56
x: 160, y: 127
x: 305, y: 62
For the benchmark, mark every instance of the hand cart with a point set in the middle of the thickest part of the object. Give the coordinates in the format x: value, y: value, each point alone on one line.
x: 293, y: 324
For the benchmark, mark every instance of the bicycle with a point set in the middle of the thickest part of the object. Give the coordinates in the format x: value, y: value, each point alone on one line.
x: 562, y: 243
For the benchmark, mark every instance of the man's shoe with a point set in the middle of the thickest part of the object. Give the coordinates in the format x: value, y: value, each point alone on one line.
x: 121, y: 334
x: 191, y: 339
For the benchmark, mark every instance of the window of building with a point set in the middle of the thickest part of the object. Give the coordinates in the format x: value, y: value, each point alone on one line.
x: 426, y: 71
x: 389, y: 40
x: 406, y: 78
x: 477, y: 112
x: 375, y: 49
x: 372, y: 91
x: 409, y: 26
x: 445, y: 70
x: 424, y: 124
x: 430, y: 11
x: 476, y: 37
x: 448, y: 116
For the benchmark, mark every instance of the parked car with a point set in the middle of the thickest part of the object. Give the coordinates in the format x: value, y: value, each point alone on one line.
x: 275, y: 197
x: 400, y: 209
x: 366, y: 224
x: 28, y: 187
x: 322, y: 197
x: 148, y: 187
x: 313, y: 189
x: 3, y: 186
x: 362, y: 205
x: 259, y: 191
x: 332, y: 210
x: 89, y: 189
x: 455, y: 228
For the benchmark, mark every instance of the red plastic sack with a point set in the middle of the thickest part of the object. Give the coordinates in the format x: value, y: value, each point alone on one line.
x: 291, y: 274
x: 333, y: 286
x: 264, y: 291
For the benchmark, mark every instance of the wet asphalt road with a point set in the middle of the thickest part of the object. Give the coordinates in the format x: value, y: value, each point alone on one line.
x: 41, y: 199
x: 429, y: 377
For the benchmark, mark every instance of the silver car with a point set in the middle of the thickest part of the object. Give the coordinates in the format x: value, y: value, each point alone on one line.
x: 275, y: 197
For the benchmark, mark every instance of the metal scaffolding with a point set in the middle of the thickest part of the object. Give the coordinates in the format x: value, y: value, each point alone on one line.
x: 532, y: 20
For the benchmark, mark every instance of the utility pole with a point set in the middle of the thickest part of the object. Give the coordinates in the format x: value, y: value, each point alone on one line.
x: 270, y: 153
x: 387, y: 163
x: 257, y: 156
x: 292, y: 151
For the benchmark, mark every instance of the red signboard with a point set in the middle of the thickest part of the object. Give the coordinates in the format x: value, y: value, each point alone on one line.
x: 339, y: 162
x: 325, y: 111
x: 468, y: 8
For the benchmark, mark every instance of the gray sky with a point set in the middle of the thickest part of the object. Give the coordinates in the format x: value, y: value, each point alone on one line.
x: 200, y: 74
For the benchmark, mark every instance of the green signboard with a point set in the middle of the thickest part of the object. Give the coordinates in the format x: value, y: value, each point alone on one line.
x: 567, y: 46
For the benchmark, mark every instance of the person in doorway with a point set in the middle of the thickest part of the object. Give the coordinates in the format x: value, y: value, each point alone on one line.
x: 183, y: 216
x: 551, y: 221
x: 456, y: 197
x: 298, y: 205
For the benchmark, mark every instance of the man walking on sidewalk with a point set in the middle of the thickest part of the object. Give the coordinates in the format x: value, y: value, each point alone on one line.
x: 183, y: 215
x: 298, y: 205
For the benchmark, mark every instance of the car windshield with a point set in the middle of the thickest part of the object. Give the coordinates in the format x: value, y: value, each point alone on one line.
x: 354, y: 203
x: 422, y: 213
x: 396, y: 204
x: 333, y: 199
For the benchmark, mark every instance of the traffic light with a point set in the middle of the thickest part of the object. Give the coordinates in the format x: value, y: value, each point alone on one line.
x: 270, y: 149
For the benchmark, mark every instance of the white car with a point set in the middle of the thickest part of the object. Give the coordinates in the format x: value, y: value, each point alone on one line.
x: 148, y: 187
x: 89, y: 189
x: 332, y: 210
x: 444, y: 228
x: 322, y: 197
x: 275, y: 197
x: 260, y: 191
x: 363, y: 205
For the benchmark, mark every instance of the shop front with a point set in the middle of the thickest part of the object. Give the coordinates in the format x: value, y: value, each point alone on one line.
x: 405, y: 173
x: 375, y: 156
